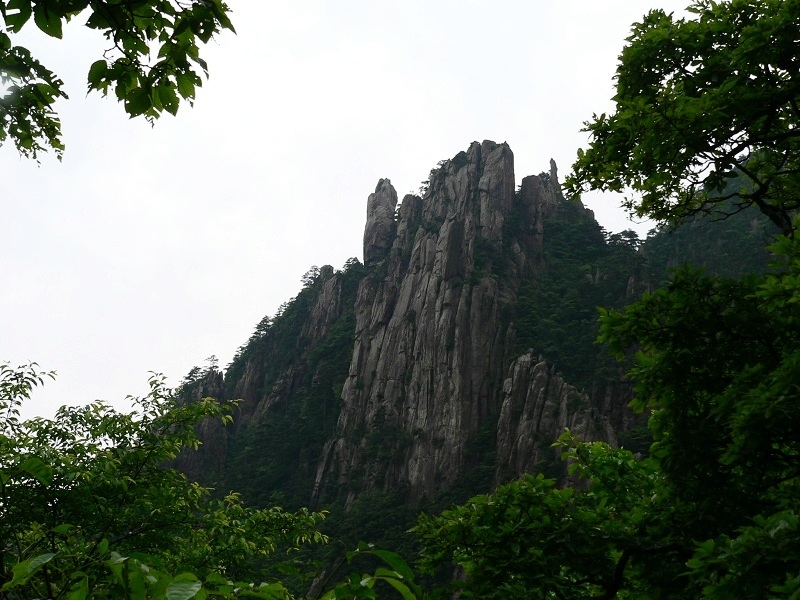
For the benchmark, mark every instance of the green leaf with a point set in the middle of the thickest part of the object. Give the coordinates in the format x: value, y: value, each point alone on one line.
x: 102, y: 547
x: 62, y: 529
x: 185, y: 85
x: 98, y: 21
x: 40, y: 560
x: 400, y: 587
x: 79, y: 590
x: 184, y: 587
x: 137, y: 102
x: 23, y: 571
x: 97, y: 72
x: 396, y: 562
x: 169, y: 99
x: 23, y: 11
x: 35, y: 467
x: 219, y: 10
x: 47, y: 20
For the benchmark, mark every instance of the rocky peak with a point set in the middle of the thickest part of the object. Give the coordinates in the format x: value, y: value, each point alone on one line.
x: 431, y: 344
x: 210, y: 458
x: 380, y: 229
x: 554, y: 176
x: 538, y: 403
x: 408, y: 374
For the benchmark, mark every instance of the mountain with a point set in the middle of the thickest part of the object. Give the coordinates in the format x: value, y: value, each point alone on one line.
x: 454, y: 355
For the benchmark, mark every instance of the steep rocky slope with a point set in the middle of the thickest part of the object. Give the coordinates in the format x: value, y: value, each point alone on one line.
x: 448, y: 353
x: 431, y: 361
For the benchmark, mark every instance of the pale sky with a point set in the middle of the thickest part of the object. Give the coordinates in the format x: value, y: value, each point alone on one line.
x: 150, y: 249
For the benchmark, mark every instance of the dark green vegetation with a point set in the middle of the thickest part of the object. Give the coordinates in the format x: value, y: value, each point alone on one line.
x: 284, y: 448
x: 697, y: 102
x: 712, y: 511
x: 152, y: 65
x: 88, y: 511
x: 587, y: 267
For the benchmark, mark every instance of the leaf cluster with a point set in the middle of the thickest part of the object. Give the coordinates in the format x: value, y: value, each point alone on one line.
x: 88, y: 509
x: 151, y: 65
x: 531, y: 539
x: 698, y: 102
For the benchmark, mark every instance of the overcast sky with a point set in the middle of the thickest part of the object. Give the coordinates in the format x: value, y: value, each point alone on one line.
x: 150, y: 249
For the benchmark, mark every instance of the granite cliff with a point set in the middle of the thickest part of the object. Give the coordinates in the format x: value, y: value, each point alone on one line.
x: 432, y: 361
x: 459, y: 350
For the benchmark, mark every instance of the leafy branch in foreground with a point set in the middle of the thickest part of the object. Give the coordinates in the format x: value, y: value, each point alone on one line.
x: 394, y: 575
x: 151, y: 64
x: 88, y: 509
x: 699, y: 103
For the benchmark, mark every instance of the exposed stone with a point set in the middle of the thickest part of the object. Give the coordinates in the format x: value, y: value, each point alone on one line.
x: 379, y: 232
x: 429, y: 358
x: 538, y: 405
x: 554, y: 176
x: 210, y: 459
x: 431, y: 364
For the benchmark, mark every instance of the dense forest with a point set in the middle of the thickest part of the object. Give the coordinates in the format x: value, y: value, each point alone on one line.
x: 693, y: 493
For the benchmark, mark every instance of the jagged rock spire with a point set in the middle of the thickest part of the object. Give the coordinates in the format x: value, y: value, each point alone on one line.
x: 380, y: 230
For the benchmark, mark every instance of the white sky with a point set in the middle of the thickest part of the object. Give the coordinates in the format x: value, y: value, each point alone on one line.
x: 152, y: 249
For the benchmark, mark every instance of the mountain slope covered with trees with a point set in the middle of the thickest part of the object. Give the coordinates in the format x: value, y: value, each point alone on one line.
x: 293, y: 372
x: 443, y: 367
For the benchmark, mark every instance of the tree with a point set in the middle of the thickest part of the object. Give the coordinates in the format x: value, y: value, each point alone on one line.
x: 718, y: 363
x: 699, y: 101
x: 531, y: 539
x: 712, y: 512
x: 87, y: 508
x: 706, y: 122
x: 151, y: 64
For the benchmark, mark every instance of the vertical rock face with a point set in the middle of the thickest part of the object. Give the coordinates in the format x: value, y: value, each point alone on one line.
x: 253, y: 386
x: 538, y: 403
x: 211, y: 457
x: 380, y: 229
x: 432, y: 336
x: 436, y: 385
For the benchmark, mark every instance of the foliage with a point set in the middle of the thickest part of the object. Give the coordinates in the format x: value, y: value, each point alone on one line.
x: 718, y: 361
x: 730, y: 247
x: 531, y: 539
x: 152, y: 63
x: 556, y: 311
x: 587, y: 267
x: 712, y: 512
x: 281, y: 451
x: 88, y: 510
x: 397, y: 578
x: 699, y: 101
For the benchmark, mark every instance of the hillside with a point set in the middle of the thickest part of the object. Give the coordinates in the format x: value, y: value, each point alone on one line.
x: 451, y: 358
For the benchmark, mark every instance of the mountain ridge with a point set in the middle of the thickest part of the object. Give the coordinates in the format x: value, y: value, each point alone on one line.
x: 449, y: 347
